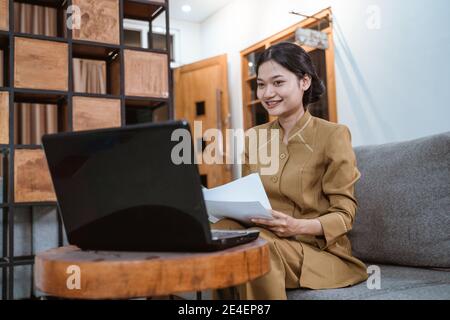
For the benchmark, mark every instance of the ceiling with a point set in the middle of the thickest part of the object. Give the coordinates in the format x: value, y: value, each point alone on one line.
x: 201, y: 9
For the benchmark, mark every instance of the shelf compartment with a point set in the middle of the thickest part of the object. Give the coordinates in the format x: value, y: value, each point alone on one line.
x: 4, y: 15
x: 4, y: 60
x: 31, y: 230
x: 33, y: 120
x: 143, y: 10
x: 161, y: 114
x: 4, y: 117
x: 144, y: 113
x: 35, y: 69
x: 36, y: 113
x: 146, y: 74
x: 42, y: 18
x: 32, y: 181
x: 99, y: 21
x: 89, y: 76
x: 143, y: 110
x: 95, y: 113
x: 137, y: 115
x: 96, y: 69
x: 155, y: 36
x: 3, y: 176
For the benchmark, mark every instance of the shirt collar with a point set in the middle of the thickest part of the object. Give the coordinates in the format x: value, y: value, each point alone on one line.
x: 299, y: 126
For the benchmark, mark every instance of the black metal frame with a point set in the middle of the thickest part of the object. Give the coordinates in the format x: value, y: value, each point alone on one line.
x: 63, y: 99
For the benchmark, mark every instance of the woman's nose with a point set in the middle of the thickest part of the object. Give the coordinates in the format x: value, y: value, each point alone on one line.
x: 268, y: 93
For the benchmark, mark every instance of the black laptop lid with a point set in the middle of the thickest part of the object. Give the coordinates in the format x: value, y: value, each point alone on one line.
x: 119, y: 188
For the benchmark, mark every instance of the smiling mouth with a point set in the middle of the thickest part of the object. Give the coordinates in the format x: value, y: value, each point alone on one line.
x: 272, y: 103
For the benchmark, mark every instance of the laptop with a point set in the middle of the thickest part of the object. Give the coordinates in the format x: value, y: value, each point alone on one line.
x: 119, y: 190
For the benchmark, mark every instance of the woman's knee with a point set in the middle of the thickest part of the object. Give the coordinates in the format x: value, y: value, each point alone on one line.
x: 265, y: 234
x: 227, y: 224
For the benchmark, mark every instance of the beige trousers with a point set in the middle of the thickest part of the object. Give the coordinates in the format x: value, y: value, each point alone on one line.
x: 286, y: 258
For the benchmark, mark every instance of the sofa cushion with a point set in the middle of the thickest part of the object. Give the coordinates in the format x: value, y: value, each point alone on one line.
x: 403, y: 215
x: 399, y: 283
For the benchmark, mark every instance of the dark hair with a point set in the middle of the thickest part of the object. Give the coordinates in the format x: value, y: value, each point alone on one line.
x: 297, y: 60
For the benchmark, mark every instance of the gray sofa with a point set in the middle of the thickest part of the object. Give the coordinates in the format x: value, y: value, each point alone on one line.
x: 402, y: 226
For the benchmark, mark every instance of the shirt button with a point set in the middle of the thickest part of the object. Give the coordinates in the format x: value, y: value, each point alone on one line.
x: 282, y: 156
x: 274, y: 179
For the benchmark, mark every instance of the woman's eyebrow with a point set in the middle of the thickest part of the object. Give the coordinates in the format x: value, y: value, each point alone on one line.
x: 272, y: 78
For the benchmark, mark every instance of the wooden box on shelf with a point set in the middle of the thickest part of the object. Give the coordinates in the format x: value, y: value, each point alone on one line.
x: 4, y: 15
x: 95, y: 113
x: 40, y: 64
x: 99, y: 21
x: 146, y: 74
x: 32, y: 182
x: 4, y: 117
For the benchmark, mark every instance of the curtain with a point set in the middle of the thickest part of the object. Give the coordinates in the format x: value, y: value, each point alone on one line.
x: 35, y: 19
x: 32, y: 120
x: 89, y: 76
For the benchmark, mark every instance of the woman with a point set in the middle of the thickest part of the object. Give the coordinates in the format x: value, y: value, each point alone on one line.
x: 312, y: 193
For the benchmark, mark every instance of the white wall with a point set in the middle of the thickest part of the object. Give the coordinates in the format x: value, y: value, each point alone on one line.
x: 186, y: 37
x: 393, y: 83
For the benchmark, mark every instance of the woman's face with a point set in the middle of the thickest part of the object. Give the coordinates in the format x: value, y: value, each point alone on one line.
x: 280, y: 90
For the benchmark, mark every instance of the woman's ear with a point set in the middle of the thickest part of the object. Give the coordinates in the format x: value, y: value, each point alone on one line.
x: 306, y: 82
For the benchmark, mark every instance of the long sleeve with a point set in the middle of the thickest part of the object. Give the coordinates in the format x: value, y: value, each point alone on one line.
x: 245, y: 167
x: 338, y: 186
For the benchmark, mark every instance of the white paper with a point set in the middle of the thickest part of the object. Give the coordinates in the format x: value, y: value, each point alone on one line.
x: 242, y: 199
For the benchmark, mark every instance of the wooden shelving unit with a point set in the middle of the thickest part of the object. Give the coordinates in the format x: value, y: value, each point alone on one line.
x: 40, y: 76
x: 253, y: 112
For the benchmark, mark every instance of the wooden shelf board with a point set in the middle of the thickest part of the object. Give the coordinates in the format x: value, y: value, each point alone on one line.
x: 39, y: 37
x: 142, y: 10
x: 45, y: 3
x: 95, y: 95
x: 93, y: 50
x: 161, y: 51
x: 38, y: 96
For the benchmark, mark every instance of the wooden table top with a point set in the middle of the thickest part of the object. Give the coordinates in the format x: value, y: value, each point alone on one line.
x: 68, y: 272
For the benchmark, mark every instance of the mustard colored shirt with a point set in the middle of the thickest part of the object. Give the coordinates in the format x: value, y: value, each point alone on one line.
x: 315, y: 179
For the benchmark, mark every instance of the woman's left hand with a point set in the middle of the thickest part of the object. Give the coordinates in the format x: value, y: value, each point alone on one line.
x: 282, y: 225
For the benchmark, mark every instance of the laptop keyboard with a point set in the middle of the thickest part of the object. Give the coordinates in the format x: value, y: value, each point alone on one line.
x: 222, y: 234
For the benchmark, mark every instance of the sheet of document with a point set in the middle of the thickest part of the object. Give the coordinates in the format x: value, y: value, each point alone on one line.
x: 241, y: 199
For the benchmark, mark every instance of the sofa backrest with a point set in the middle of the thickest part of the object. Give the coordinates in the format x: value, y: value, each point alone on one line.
x: 403, y: 195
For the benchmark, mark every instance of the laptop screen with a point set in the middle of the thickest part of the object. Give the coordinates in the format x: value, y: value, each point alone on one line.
x: 99, y: 172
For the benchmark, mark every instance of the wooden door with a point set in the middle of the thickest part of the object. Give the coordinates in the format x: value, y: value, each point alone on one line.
x: 201, y: 94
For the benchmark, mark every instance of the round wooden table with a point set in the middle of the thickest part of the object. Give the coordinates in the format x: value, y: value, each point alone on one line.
x: 68, y: 272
